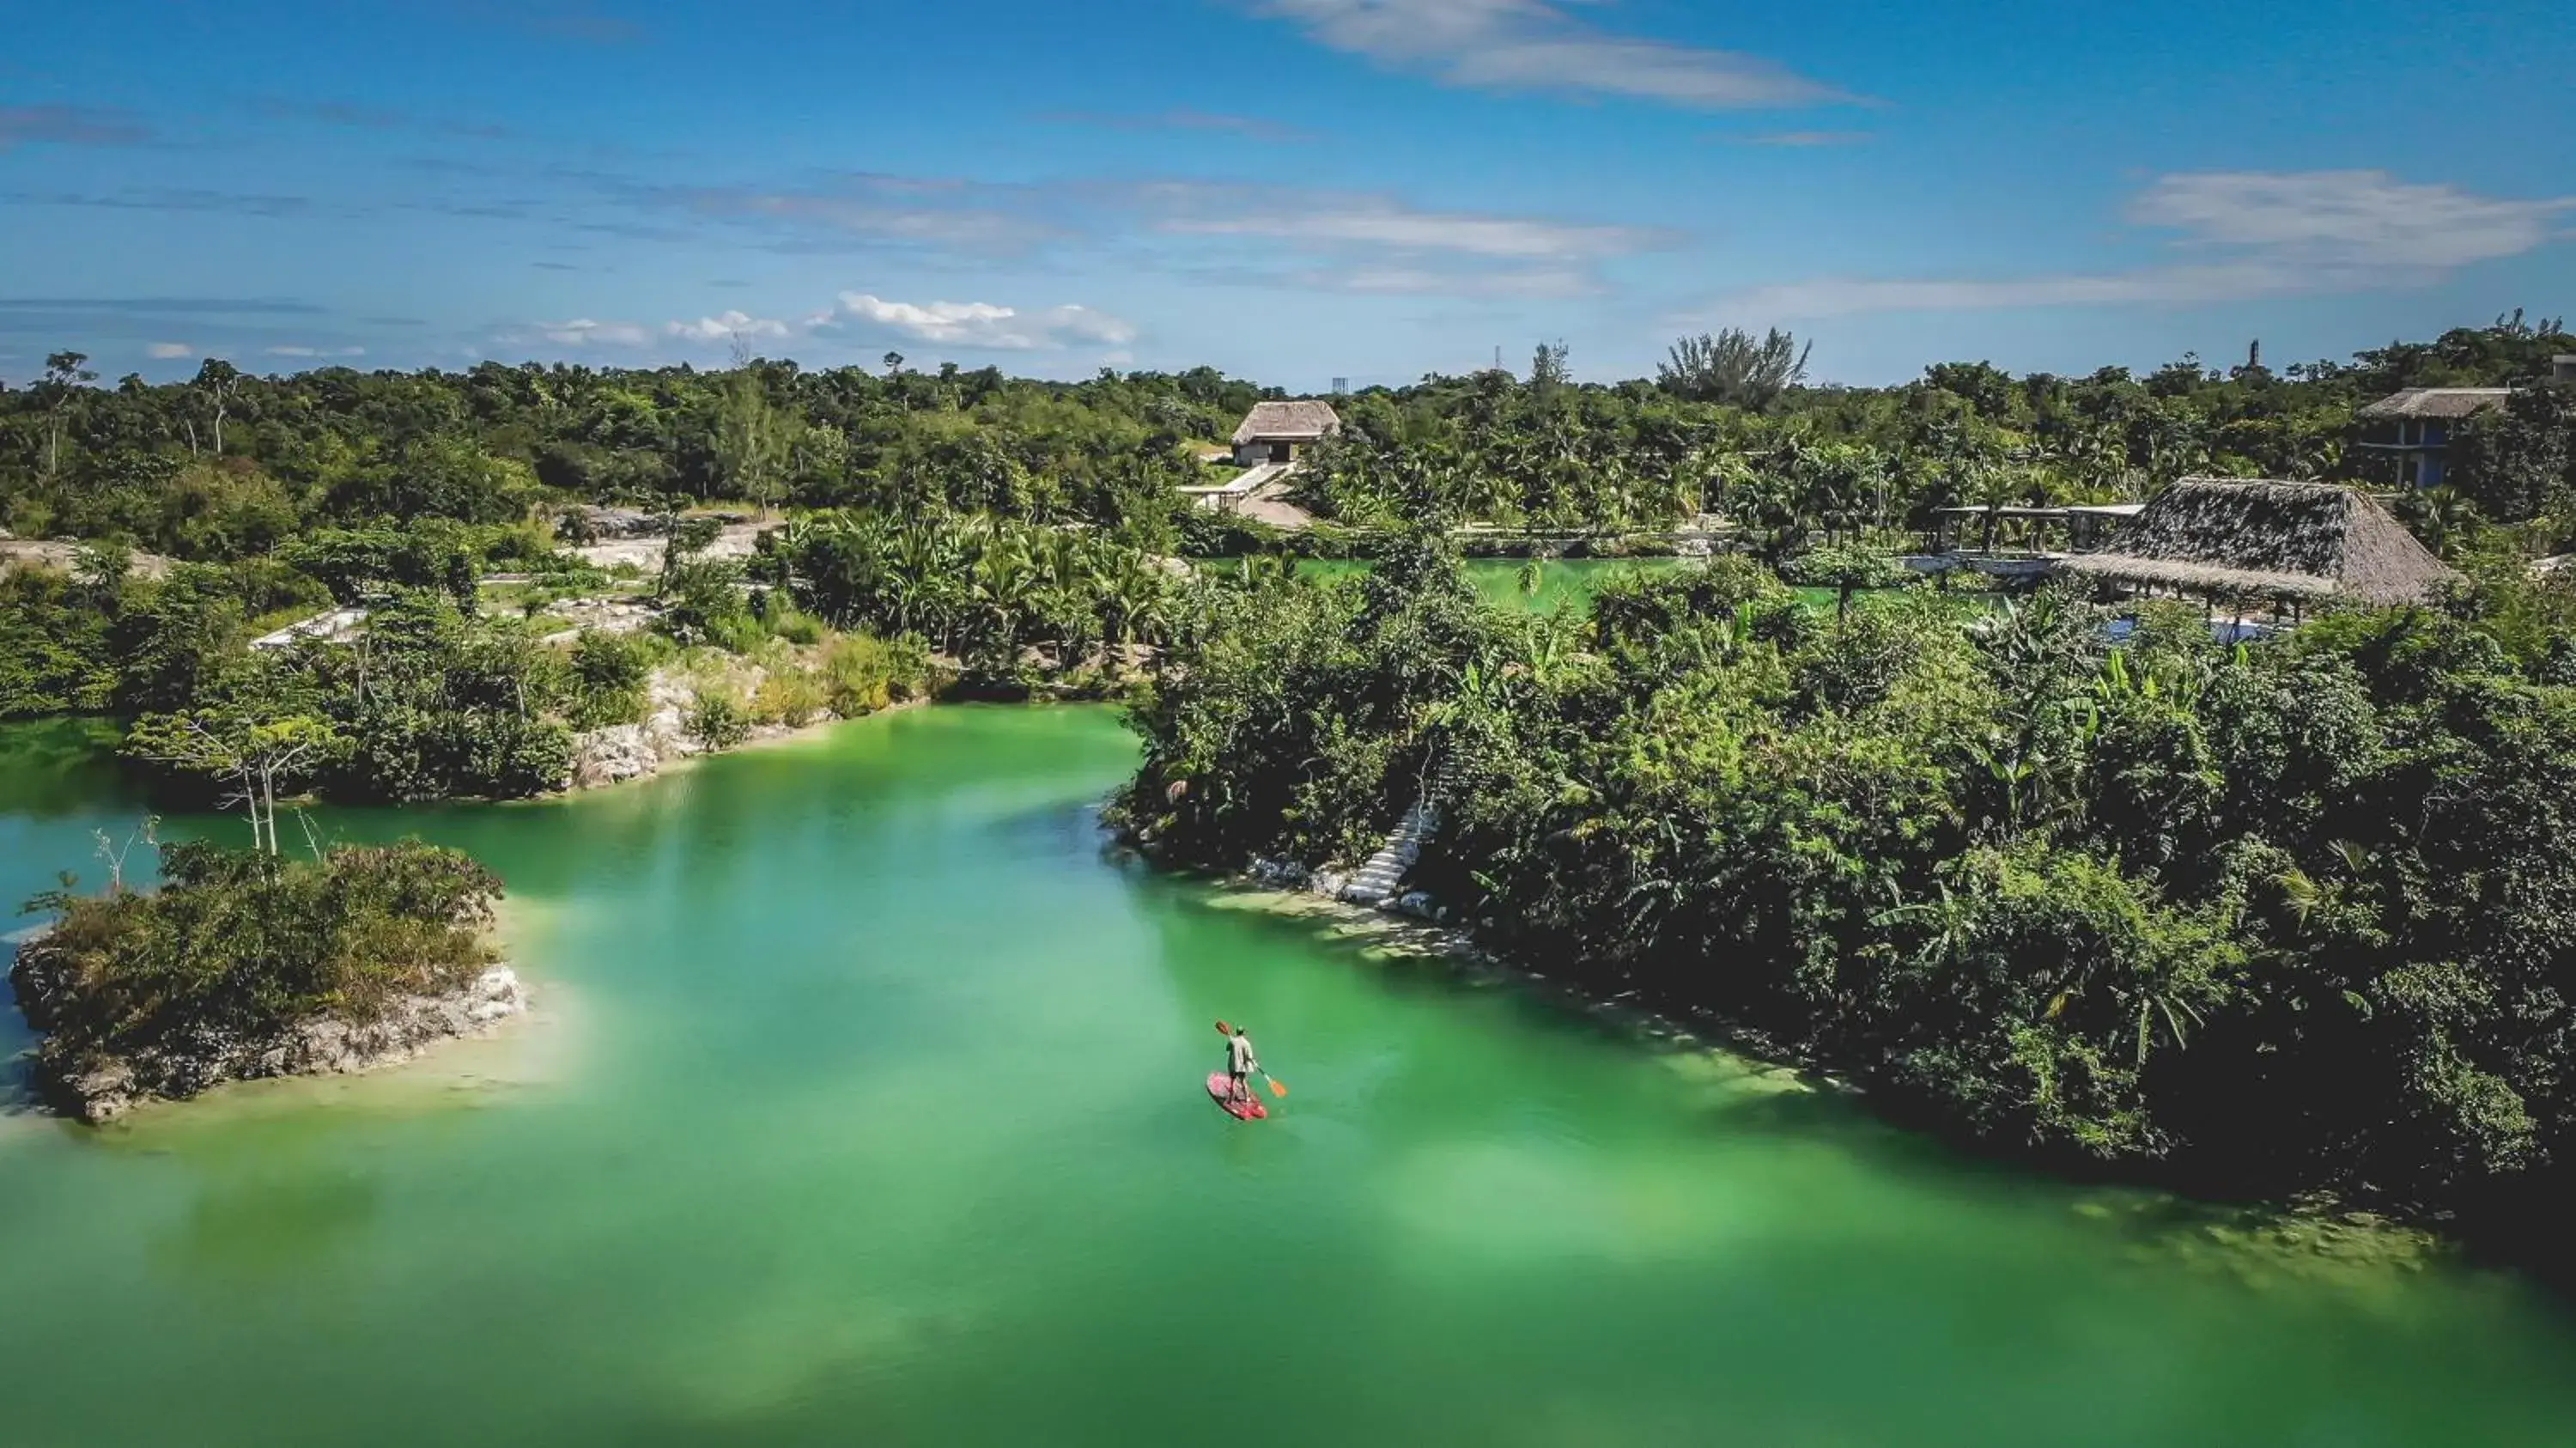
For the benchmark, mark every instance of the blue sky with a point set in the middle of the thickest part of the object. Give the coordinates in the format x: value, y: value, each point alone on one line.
x: 1294, y: 190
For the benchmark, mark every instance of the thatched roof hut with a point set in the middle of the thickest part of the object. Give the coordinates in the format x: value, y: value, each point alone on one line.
x: 2446, y: 403
x: 1287, y: 422
x: 2254, y: 538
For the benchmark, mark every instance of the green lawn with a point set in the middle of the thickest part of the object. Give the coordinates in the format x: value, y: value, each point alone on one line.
x: 1574, y: 580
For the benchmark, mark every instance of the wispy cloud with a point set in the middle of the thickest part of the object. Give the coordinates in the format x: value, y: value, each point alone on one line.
x: 976, y: 326
x: 180, y: 199
x: 1384, y: 222
x: 1802, y: 139
x: 1526, y: 283
x: 1292, y: 236
x: 1251, y: 128
x: 1376, y: 244
x: 554, y: 19
x: 148, y: 324
x: 329, y: 113
x: 853, y: 317
x: 371, y: 118
x: 880, y: 210
x: 1533, y: 45
x: 69, y: 126
x: 159, y: 306
x: 2238, y: 235
x: 446, y: 166
x: 581, y: 332
x: 300, y: 350
x: 732, y: 326
x: 2346, y: 218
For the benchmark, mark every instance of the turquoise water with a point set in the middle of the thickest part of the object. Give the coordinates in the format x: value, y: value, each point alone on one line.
x: 863, y: 1106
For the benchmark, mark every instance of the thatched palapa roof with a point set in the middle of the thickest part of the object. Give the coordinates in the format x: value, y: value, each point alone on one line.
x: 2446, y: 403
x: 2253, y: 538
x: 1287, y: 422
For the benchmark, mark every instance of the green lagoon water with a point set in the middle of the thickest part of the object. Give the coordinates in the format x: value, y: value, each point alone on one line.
x: 863, y: 1106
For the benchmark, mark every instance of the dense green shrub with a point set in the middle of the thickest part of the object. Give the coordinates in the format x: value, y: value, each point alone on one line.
x: 861, y: 674
x: 608, y: 674
x: 790, y: 697
x: 716, y: 719
x: 981, y: 589
x: 357, y: 564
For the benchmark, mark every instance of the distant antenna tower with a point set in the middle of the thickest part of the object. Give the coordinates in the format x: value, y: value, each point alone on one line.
x: 1498, y: 356
x: 1341, y: 385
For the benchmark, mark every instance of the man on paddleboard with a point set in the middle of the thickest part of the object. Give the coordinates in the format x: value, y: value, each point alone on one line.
x: 1240, y: 1063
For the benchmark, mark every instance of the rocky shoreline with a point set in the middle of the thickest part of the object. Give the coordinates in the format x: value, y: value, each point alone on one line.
x: 2254, y: 1243
x: 621, y: 753
x: 1421, y: 925
x: 329, y: 1046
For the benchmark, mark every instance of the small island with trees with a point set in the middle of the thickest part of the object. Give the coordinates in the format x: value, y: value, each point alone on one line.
x: 245, y: 964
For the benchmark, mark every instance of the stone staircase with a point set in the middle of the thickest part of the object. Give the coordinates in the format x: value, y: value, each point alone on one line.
x: 1378, y: 884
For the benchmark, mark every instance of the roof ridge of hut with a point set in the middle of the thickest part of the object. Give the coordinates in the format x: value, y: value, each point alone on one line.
x: 1293, y: 421
x: 2446, y: 403
x: 2269, y: 537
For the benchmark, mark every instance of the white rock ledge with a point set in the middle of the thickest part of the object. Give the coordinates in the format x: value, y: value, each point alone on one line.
x: 410, y: 1027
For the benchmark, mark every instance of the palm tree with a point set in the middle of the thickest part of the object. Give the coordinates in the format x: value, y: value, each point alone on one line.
x: 2440, y: 517
x: 1143, y: 604
x: 1005, y: 578
x: 1492, y: 492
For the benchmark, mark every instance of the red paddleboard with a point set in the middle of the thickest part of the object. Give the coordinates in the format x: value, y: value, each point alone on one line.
x: 1247, y: 1107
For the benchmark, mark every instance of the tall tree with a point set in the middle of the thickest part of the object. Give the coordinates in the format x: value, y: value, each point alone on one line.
x: 1734, y: 369
x: 65, y: 374
x: 752, y: 438
x: 1548, y: 370
x: 2519, y: 461
x: 254, y: 753
x: 217, y: 384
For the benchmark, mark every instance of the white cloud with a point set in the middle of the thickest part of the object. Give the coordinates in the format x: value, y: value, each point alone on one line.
x: 584, y: 332
x: 726, y: 327
x: 2352, y: 218
x: 2249, y: 235
x: 934, y: 212
x: 1183, y: 118
x: 1853, y: 296
x: 1370, y: 243
x: 980, y: 326
x: 1377, y: 222
x: 972, y: 326
x: 1535, y: 45
x: 1414, y: 281
x: 168, y: 350
x: 292, y: 351
x: 1173, y: 222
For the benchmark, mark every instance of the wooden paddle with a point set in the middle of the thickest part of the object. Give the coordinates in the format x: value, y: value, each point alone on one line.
x: 1277, y: 1087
